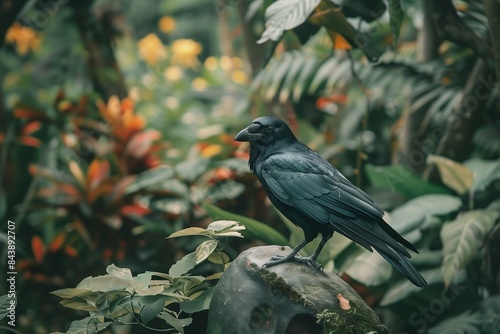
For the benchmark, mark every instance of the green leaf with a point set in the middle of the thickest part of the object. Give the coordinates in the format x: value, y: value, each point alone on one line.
x: 404, y: 288
x: 190, y: 231
x: 89, y: 325
x: 401, y: 180
x: 468, y: 322
x: 285, y: 15
x: 254, y: 228
x: 104, y: 283
x: 370, y: 269
x: 190, y: 170
x: 79, y: 305
x: 176, y: 323
x: 69, y: 293
x: 462, y: 238
x: 148, y: 178
x: 4, y: 304
x: 396, y: 18
x: 124, y: 273
x: 219, y: 258
x: 205, y: 249
x: 414, y: 213
x: 485, y: 172
x: 151, y: 310
x: 453, y: 174
x: 222, y: 225
x: 184, y: 265
x: 200, y: 303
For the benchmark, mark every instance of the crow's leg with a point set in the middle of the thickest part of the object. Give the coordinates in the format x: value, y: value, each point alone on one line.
x: 290, y: 257
x: 294, y: 257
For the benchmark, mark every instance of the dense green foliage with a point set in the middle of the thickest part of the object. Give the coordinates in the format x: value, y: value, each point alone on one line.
x: 117, y: 121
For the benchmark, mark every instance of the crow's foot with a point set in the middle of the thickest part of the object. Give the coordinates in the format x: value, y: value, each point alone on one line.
x: 297, y: 258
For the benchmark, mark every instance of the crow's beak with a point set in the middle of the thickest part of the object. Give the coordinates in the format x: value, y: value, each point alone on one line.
x: 250, y: 133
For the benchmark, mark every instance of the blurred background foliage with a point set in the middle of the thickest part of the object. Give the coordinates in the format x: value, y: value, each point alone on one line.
x: 117, y: 121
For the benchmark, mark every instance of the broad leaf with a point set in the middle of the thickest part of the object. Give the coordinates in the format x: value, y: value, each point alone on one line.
x: 104, y: 283
x: 200, y: 303
x: 205, y: 249
x: 485, y: 172
x: 151, y: 310
x: 190, y: 231
x: 124, y: 273
x: 370, y: 269
x: 401, y: 180
x: 176, y: 323
x: 285, y: 15
x: 453, y: 174
x: 184, y: 265
x: 462, y: 238
x: 414, y: 213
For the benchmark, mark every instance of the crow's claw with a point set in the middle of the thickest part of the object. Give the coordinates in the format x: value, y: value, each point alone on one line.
x: 297, y: 258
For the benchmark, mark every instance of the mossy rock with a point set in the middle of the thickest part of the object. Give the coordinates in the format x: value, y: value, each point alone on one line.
x: 286, y: 298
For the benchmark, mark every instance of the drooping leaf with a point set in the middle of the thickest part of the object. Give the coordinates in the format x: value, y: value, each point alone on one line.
x: 462, y: 238
x: 205, y: 249
x: 453, y: 174
x: 485, y: 172
x: 285, y: 15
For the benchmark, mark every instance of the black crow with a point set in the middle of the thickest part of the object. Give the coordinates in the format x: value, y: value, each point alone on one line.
x: 315, y: 196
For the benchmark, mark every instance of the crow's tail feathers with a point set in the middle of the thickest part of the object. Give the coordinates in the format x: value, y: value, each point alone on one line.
x: 401, y: 263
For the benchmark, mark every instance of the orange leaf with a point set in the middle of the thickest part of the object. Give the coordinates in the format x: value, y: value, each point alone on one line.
x: 340, y: 43
x: 57, y: 243
x: 31, y: 127
x: 210, y: 151
x: 27, y: 113
x: 38, y: 248
x: 70, y: 251
x: 134, y: 210
x: 30, y: 141
x: 97, y: 172
x: 141, y: 143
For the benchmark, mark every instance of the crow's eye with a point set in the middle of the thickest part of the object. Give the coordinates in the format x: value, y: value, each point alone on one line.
x: 269, y: 129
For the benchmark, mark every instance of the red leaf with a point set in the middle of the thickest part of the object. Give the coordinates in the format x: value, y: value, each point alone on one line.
x: 57, y: 243
x: 134, y: 210
x: 31, y: 127
x: 70, y: 251
x: 141, y: 143
x: 27, y: 113
x: 30, y: 141
x: 97, y: 172
x: 38, y: 248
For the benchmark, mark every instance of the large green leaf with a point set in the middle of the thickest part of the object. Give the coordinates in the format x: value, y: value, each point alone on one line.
x: 462, y: 238
x: 200, y: 303
x: 414, y: 213
x: 370, y: 269
x: 285, y: 15
x: 401, y: 180
x: 177, y: 323
x: 205, y: 249
x: 453, y: 174
x: 404, y: 288
x: 485, y: 172
x: 254, y: 228
x: 184, y: 265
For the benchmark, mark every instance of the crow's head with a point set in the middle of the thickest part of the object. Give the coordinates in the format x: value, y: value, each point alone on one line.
x: 265, y: 131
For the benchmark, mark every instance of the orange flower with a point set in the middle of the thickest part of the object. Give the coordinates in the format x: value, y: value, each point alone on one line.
x: 24, y: 38
x: 151, y: 49
x: 121, y: 117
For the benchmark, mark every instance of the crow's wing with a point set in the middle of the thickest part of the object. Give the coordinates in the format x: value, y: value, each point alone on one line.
x: 312, y: 186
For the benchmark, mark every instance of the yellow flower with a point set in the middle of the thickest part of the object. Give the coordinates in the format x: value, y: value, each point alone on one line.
x: 151, y: 49
x: 226, y: 63
x: 199, y: 84
x: 167, y: 24
x: 239, y: 76
x: 173, y: 73
x: 184, y: 52
x: 24, y: 38
x: 211, y: 63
